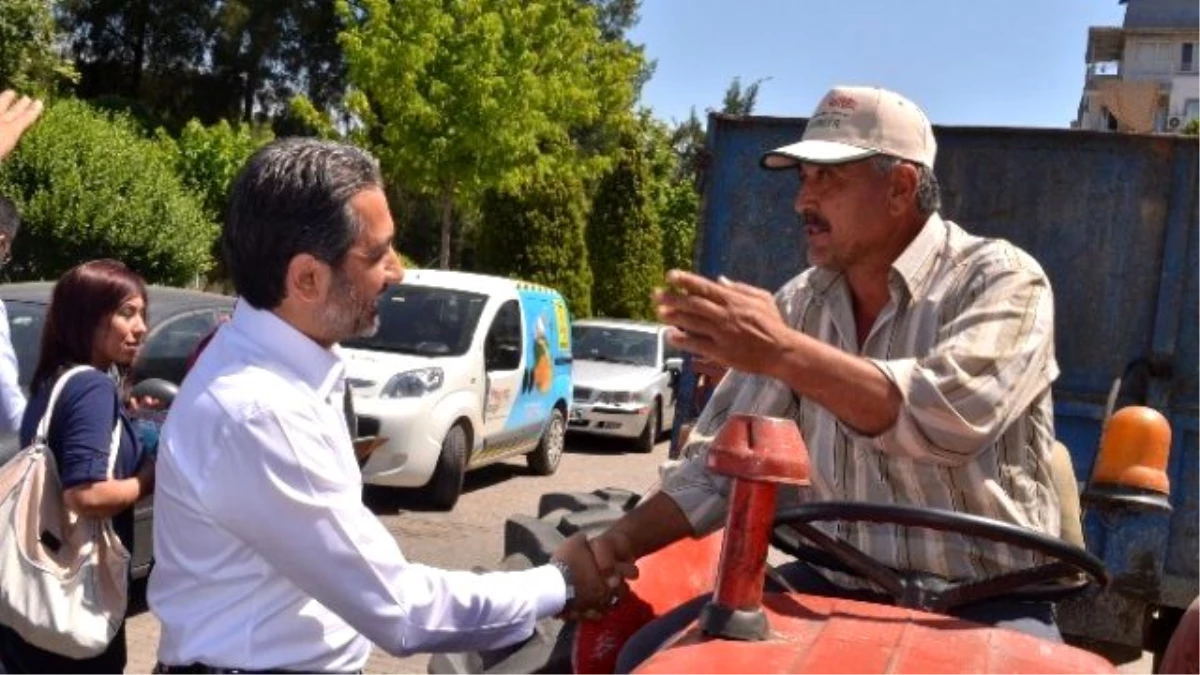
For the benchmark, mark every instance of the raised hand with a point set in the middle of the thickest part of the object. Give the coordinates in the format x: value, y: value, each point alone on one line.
x: 734, y: 324
x: 16, y: 115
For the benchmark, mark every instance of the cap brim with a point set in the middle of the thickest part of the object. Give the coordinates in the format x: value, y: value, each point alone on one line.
x: 816, y: 152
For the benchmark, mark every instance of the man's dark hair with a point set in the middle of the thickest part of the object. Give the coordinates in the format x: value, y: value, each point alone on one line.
x: 292, y: 197
x: 10, y: 220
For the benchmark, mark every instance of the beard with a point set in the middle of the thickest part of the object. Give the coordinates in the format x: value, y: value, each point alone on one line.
x: 347, y: 313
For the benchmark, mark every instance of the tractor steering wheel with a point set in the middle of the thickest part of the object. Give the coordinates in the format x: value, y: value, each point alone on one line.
x: 1049, y: 581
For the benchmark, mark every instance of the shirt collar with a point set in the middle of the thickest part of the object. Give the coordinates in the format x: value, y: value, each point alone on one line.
x: 321, y: 369
x: 916, y: 261
x: 912, y: 266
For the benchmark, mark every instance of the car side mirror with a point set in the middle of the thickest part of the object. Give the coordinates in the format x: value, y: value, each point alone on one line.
x: 674, y: 364
x: 163, y: 390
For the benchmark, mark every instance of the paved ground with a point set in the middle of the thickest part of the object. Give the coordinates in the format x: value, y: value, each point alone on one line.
x: 472, y: 534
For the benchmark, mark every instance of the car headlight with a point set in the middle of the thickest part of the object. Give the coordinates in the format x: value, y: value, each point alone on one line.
x: 620, y: 397
x: 413, y: 383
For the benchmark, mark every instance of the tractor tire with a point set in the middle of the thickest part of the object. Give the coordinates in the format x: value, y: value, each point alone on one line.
x: 649, y: 438
x: 528, y: 542
x: 445, y: 486
x: 544, y: 459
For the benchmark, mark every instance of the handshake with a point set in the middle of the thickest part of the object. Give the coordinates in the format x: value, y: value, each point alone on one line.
x: 598, y: 570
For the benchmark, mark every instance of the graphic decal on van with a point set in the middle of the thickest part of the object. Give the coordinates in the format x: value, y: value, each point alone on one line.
x: 546, y: 379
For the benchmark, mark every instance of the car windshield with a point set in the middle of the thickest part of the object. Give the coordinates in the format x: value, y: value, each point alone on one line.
x: 614, y: 345
x: 424, y: 321
x: 25, y: 320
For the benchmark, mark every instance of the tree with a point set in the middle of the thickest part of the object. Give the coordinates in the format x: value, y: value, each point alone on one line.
x: 136, y: 50
x: 679, y: 211
x: 536, y: 233
x: 738, y: 101
x: 1192, y: 128
x: 623, y: 239
x: 674, y: 199
x: 271, y: 50
x: 89, y: 185
x: 169, y: 61
x: 614, y: 18
x: 29, y: 61
x: 459, y: 98
x: 207, y: 159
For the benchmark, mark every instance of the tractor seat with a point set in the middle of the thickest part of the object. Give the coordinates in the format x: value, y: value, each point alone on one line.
x: 1062, y: 473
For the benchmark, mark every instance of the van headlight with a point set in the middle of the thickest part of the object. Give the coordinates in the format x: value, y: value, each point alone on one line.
x: 413, y: 383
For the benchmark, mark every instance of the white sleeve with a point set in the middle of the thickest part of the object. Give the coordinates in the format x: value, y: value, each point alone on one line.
x: 12, y: 399
x: 285, y: 500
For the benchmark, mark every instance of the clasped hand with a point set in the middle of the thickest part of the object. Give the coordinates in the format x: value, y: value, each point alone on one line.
x: 599, y: 570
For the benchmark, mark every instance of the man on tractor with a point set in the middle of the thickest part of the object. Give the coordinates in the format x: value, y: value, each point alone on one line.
x: 915, y: 358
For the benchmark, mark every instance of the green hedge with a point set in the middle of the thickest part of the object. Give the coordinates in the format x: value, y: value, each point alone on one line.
x: 89, y: 185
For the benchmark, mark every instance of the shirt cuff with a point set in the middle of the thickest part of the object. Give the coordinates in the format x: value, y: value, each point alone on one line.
x: 550, y: 590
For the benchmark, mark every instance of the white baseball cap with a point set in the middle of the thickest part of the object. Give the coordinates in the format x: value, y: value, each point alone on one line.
x: 853, y: 123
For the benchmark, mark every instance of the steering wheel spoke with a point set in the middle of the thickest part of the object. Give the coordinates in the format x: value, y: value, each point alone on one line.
x: 861, y: 563
x: 1069, y: 570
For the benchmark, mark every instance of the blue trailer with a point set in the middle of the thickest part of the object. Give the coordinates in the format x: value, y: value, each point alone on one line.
x: 1113, y: 220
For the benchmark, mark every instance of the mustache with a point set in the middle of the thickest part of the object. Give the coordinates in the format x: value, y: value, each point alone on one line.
x: 813, y: 220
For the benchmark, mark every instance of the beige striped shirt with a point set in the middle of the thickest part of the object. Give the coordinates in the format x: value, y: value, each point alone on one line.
x: 968, y: 339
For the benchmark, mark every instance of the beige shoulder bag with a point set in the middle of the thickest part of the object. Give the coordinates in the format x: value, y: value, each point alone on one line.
x: 63, y: 578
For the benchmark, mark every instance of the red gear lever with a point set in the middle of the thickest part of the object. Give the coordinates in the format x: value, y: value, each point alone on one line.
x: 759, y: 453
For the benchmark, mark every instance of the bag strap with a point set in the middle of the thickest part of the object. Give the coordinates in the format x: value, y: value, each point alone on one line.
x: 43, y: 429
x: 115, y: 446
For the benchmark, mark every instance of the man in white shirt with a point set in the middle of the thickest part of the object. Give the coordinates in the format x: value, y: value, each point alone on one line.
x: 265, y: 557
x: 16, y: 116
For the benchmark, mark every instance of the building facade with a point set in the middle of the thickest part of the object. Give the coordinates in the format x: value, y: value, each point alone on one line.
x: 1143, y: 77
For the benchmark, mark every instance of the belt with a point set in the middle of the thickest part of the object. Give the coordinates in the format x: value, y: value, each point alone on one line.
x: 198, y: 668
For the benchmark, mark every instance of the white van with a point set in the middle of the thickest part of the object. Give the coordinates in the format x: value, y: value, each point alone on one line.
x: 465, y: 370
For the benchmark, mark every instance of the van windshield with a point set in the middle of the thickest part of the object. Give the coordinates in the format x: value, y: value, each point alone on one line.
x: 424, y: 321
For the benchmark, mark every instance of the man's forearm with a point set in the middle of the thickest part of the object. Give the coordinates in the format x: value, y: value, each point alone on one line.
x: 652, y: 525
x: 848, y: 386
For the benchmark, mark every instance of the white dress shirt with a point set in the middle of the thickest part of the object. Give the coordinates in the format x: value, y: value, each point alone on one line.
x: 12, y: 399
x: 265, y: 556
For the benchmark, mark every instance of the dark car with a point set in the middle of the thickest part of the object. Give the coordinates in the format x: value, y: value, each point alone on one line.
x: 178, y: 319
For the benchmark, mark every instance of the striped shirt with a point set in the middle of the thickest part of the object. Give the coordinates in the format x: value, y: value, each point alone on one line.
x: 968, y: 339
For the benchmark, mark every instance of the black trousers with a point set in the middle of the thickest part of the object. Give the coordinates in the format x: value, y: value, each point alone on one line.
x: 18, y: 656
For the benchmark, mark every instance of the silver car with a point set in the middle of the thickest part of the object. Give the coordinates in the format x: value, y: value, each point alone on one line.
x: 625, y: 376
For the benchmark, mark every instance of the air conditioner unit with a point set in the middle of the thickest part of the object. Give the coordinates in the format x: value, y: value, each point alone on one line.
x: 1174, y: 122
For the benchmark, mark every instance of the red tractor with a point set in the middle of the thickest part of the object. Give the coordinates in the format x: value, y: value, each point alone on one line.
x: 745, y: 629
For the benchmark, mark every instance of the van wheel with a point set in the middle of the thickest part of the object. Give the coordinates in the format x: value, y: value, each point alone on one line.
x: 545, y: 457
x: 645, y: 442
x: 445, y: 486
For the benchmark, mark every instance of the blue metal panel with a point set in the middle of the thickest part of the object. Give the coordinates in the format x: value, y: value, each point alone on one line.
x: 1113, y: 220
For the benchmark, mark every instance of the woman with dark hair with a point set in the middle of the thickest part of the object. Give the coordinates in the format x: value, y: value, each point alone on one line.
x: 97, y: 317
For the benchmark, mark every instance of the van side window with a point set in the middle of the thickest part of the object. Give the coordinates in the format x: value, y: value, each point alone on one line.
x: 503, y: 346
